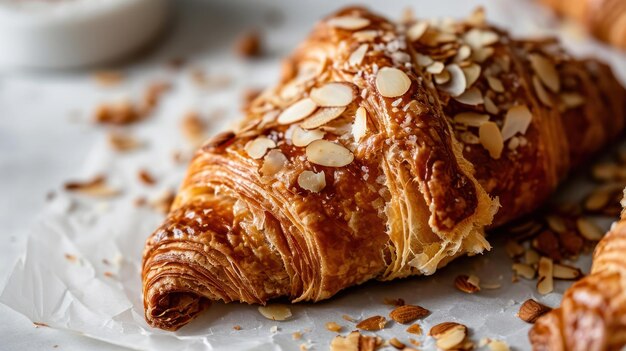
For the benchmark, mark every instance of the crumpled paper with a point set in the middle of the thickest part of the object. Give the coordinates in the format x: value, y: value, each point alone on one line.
x: 81, y: 268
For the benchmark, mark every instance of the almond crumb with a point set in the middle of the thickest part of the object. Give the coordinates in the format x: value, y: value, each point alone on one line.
x: 145, y: 177
x: 372, y: 323
x: 249, y: 45
x: 334, y: 327
x: 236, y: 327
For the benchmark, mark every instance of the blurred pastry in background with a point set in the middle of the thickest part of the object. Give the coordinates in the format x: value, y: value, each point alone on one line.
x: 604, y: 19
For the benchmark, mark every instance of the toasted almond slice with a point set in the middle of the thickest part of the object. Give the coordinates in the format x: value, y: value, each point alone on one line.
x: 566, y: 272
x: 357, y: 55
x: 326, y: 153
x: 468, y: 284
x: 482, y: 54
x: 542, y: 94
x: 392, y: 82
x: 463, y: 54
x: 491, y: 139
x: 572, y: 100
x: 322, y: 116
x: 372, y: 323
x: 258, y: 147
x: 471, y: 119
x: 545, y: 71
x: 495, y: 84
x: 531, y: 310
x: 359, y: 128
x: 524, y: 270
x: 517, y: 119
x: 334, y: 327
x: 589, y: 230
x: 96, y: 187
x: 531, y: 257
x: 297, y: 111
x: 275, y: 312
x: 556, y: 223
x: 365, y: 35
x: 396, y: 343
x: 435, y: 67
x: 311, y: 181
x: 273, y: 163
x: 302, y: 137
x: 423, y: 60
x: 450, y: 336
x: 442, y: 78
x: 417, y: 30
x: 348, y: 22
x: 414, y: 329
x: 545, y: 284
x: 471, y: 73
x: 490, y: 106
x: 408, y: 313
x: 472, y: 97
x: 333, y: 94
x: 457, y: 84
x: 477, y: 38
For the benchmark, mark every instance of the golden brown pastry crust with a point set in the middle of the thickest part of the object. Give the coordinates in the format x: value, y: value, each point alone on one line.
x: 412, y: 197
x: 592, y: 316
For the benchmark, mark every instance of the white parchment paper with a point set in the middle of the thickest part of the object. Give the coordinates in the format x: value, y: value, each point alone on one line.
x: 99, y: 293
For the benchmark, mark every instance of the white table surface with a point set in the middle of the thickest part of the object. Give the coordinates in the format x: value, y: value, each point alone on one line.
x: 45, y: 136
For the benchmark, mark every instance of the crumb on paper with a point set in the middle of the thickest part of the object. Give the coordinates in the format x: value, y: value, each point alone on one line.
x: 96, y: 187
x: 236, y: 327
x: 249, y: 45
x: 108, y: 78
x: 122, y: 142
x: 70, y: 257
x: 146, y: 177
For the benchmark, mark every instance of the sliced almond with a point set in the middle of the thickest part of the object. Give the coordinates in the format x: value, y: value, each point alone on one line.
x: 416, y: 31
x: 275, y: 312
x: 457, y: 84
x: 297, y: 111
x: 359, y: 128
x: 408, y: 313
x: 556, y: 223
x: 531, y: 310
x: 357, y: 55
x: 423, y: 60
x: 524, y: 270
x: 495, y: 84
x: 442, y: 78
x: 258, y: 147
x: 545, y: 283
x: 372, y: 323
x: 448, y: 335
x: 517, y: 120
x: 326, y: 153
x: 302, y: 137
x: 311, y: 181
x: 365, y: 35
x: 477, y: 38
x: 348, y: 22
x: 414, y: 329
x: 322, y: 116
x: 572, y: 100
x: 546, y: 71
x: 435, y: 67
x: 463, y: 54
x: 471, y: 73
x: 123, y: 142
x: 471, y: 119
x: 589, y: 230
x: 354, y: 342
x: 498, y: 345
x: 333, y: 327
x: 566, y: 272
x: 472, y: 97
x: 491, y: 139
x: 468, y: 284
x: 96, y: 187
x: 541, y: 92
x: 273, y: 163
x: 392, y: 82
x: 490, y: 106
x: 482, y: 54
x: 396, y: 343
x: 333, y: 95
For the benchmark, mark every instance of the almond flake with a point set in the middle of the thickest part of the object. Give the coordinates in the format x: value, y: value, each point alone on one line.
x: 495, y: 84
x: 545, y: 284
x: 597, y: 200
x: 531, y: 310
x: 354, y: 342
x: 556, y: 223
x: 408, y: 313
x: 357, y: 55
x: 545, y: 71
x: 365, y: 35
x: 589, y: 230
x: 491, y: 139
x: 123, y: 142
x: 417, y: 30
x: 457, y: 84
x: 333, y: 327
x: 468, y: 284
x: 449, y: 335
x: 297, y: 111
x: 442, y: 78
x: 95, y: 187
x: 275, y: 312
x: 348, y: 22
x: 541, y: 92
x: 572, y: 100
x: 477, y: 38
x: 423, y: 60
x: 524, y: 270
x: 359, y: 128
x: 471, y: 73
x: 329, y: 154
x: 472, y: 97
x: 311, y: 181
x: 435, y: 67
x: 482, y: 54
x: 471, y: 119
x: 392, y: 82
x: 497, y: 345
x: 302, y: 137
x: 531, y: 257
x: 566, y: 272
x: 490, y: 106
x: 258, y: 147
x: 414, y: 329
x: 322, y: 116
x: 463, y: 54
x: 333, y: 94
x: 372, y: 323
x: 273, y: 162
x: 517, y: 119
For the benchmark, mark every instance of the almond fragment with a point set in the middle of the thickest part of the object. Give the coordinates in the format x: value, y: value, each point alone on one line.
x: 354, y: 342
x: 392, y: 82
x: 435, y: 67
x: 468, y: 284
x: 491, y: 139
x: 408, y: 313
x: 566, y: 272
x: 597, y: 200
x: 258, y: 147
x: 556, y: 223
x: 457, y: 83
x: 497, y: 345
x: 372, y: 323
x: 477, y: 38
x: 359, y: 127
x: 96, y: 187
x: 357, y: 55
x: 542, y: 94
x: 275, y: 312
x: 333, y: 95
x: 248, y: 45
x: 490, y: 106
x: 311, y: 181
x: 531, y: 310
x: 416, y: 31
x: 572, y: 100
x: 414, y: 329
x: 333, y: 327
x: 297, y: 111
x: 448, y: 334
x: 348, y: 22
x: 472, y: 97
x: 123, y: 142
x: 273, y: 163
x: 531, y: 257
x: 545, y: 283
x: 471, y: 119
x: 396, y: 343
x: 517, y: 120
x: 589, y: 230
x: 326, y: 153
x: 524, y: 270
x: 471, y: 73
x: 513, y: 249
x: 302, y: 137
x: 322, y: 116
x: 495, y: 84
x: 146, y: 177
x: 546, y: 71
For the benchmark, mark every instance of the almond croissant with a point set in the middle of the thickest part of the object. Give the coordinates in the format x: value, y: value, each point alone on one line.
x: 592, y: 316
x: 384, y: 152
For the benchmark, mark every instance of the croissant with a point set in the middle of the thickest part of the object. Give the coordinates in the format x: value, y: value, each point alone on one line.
x: 605, y: 19
x: 592, y: 315
x: 384, y: 152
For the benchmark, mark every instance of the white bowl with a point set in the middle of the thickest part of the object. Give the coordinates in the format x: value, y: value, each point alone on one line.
x: 72, y: 33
